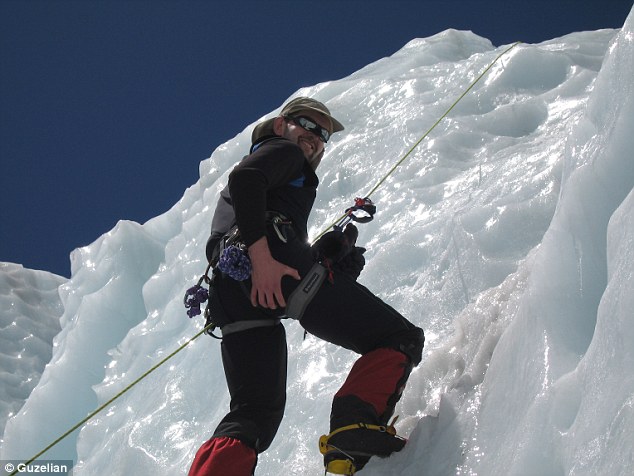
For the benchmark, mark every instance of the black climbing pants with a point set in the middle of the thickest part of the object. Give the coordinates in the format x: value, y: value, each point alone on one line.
x: 343, y: 312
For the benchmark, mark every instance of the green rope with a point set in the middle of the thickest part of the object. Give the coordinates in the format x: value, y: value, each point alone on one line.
x: 91, y: 415
x: 397, y: 164
x: 374, y: 189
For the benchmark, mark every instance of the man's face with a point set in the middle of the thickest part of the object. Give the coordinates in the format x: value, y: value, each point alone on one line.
x: 309, y: 142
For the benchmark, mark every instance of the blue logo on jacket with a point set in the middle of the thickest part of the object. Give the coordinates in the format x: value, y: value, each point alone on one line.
x: 298, y: 182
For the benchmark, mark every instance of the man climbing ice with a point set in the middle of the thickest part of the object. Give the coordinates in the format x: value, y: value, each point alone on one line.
x: 264, y: 212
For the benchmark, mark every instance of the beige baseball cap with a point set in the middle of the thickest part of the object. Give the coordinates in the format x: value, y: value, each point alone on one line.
x: 296, y: 105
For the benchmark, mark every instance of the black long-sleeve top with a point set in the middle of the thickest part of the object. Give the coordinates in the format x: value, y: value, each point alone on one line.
x: 275, y: 176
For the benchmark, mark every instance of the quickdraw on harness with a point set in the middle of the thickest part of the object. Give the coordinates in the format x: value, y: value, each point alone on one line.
x: 362, y: 212
x: 198, y: 295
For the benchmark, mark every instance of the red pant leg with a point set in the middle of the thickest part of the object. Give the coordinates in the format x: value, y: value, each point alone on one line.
x: 224, y: 456
x: 377, y: 379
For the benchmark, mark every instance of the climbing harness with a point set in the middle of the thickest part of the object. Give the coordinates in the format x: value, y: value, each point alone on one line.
x: 197, y: 295
x: 233, y: 260
x: 362, y: 212
x: 304, y: 293
x: 232, y: 257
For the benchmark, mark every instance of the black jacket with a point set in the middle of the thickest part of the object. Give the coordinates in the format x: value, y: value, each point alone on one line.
x: 275, y: 176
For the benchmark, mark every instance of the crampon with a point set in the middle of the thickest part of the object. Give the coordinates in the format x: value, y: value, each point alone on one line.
x: 347, y: 449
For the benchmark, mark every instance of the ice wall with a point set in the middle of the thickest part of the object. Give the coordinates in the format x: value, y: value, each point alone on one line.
x: 554, y: 394
x: 493, y: 237
x: 29, y: 319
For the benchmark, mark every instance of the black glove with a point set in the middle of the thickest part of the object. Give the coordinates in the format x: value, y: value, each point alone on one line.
x: 338, y: 248
x: 336, y: 244
x: 352, y: 264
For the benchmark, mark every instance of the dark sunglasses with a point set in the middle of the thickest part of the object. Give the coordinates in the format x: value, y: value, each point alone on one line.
x: 310, y: 126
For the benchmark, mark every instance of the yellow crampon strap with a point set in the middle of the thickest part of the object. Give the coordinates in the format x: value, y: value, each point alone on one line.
x: 324, y: 447
x: 345, y: 464
x: 341, y: 466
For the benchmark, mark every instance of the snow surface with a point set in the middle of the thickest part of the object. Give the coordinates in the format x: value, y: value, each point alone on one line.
x: 508, y: 235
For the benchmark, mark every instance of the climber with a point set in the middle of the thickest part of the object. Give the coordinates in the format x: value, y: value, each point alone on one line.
x: 265, y: 209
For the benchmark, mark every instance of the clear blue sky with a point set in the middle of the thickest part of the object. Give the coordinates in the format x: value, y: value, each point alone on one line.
x: 107, y: 107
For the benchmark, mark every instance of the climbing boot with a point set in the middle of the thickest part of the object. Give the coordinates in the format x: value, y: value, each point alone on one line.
x: 339, y: 463
x: 347, y: 449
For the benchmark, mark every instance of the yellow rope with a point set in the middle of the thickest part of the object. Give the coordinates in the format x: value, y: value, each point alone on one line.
x: 91, y: 415
x: 407, y: 154
x: 380, y: 182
